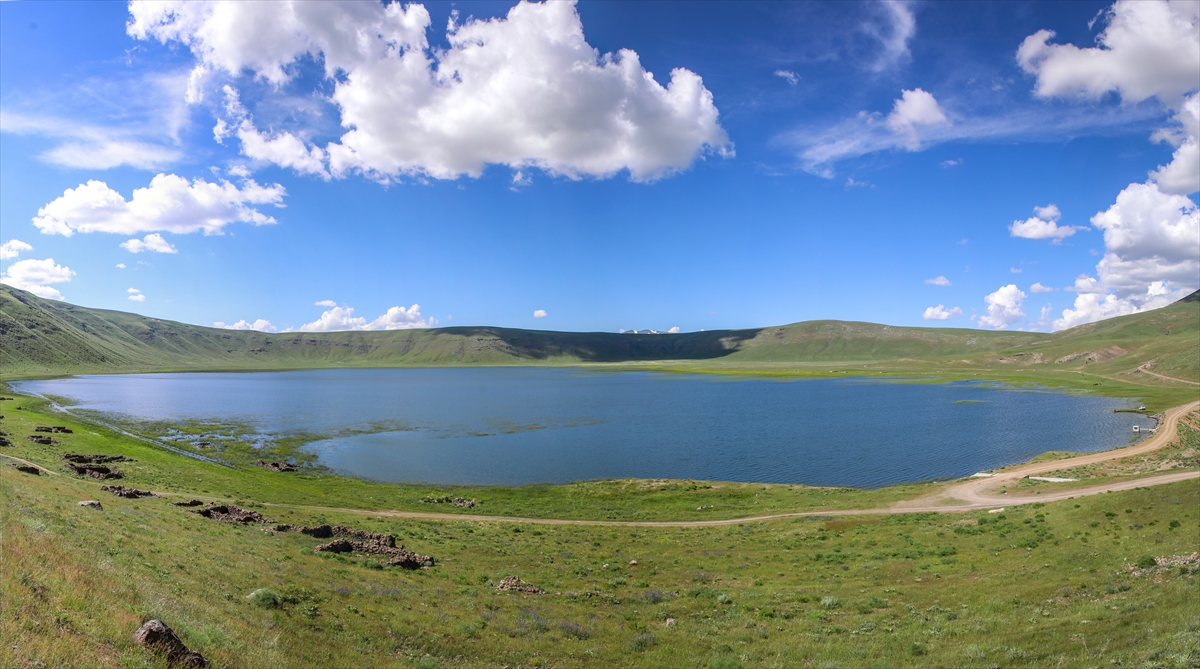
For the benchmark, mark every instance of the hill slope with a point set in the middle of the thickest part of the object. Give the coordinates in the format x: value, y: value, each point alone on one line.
x: 40, y: 336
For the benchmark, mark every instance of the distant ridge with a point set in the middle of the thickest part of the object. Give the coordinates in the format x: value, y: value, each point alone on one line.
x: 39, y: 336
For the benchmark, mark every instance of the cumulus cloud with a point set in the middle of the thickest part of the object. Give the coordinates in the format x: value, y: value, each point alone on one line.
x: 13, y: 248
x: 170, y: 204
x: 120, y: 265
x: 343, y: 318
x: 1003, y: 308
x: 151, y: 242
x: 36, y: 276
x: 136, y: 295
x: 1182, y: 175
x: 914, y: 109
x: 325, y: 303
x: 938, y: 281
x: 941, y: 313
x: 674, y: 330
x: 262, y: 325
x: 280, y: 148
x: 1039, y: 288
x: 525, y: 90
x: 1043, y: 225
x: 540, y: 313
x: 1149, y: 48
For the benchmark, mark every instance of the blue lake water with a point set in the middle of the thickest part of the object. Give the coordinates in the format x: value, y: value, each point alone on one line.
x: 522, y: 425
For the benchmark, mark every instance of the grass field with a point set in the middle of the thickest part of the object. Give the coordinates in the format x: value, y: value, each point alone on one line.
x: 1050, y: 585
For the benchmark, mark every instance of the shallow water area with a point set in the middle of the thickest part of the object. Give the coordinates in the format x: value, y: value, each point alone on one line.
x: 525, y: 425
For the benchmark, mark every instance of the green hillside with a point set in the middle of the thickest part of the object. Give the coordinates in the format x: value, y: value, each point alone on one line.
x: 39, y: 337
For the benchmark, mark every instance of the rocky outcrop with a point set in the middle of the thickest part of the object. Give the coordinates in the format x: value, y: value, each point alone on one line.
x: 127, y: 493
x: 45, y: 441
x: 460, y: 502
x: 5, y: 442
x: 190, y: 502
x: 91, y: 504
x: 101, y: 472
x: 228, y: 513
x: 397, y: 556
x: 277, y: 466
x: 54, y: 429
x: 514, y: 584
x: 27, y: 469
x: 93, y: 459
x: 157, y: 637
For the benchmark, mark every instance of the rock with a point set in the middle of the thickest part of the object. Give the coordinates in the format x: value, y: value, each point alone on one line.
x: 277, y: 466
x: 93, y: 459
x: 127, y: 493
x: 460, y: 502
x: 91, y: 504
x: 514, y: 584
x: 45, y: 441
x: 633, y: 563
x: 670, y: 622
x: 56, y: 429
x: 5, y: 442
x: 94, y: 471
x: 228, y: 513
x: 156, y: 636
x: 190, y: 502
x: 398, y: 556
x: 28, y: 469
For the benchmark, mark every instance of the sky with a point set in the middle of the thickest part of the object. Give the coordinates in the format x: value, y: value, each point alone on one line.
x: 602, y: 166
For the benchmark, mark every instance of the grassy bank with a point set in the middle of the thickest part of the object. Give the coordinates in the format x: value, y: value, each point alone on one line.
x: 1035, y: 586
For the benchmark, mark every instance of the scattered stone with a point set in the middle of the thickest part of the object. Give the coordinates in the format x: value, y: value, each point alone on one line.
x: 1165, y: 562
x: 56, y: 429
x: 156, y: 636
x: 228, y: 513
x: 340, y: 531
x: 203, y: 444
x: 277, y: 466
x: 633, y: 563
x: 94, y: 471
x: 127, y: 493
x: 514, y: 584
x: 45, y: 441
x: 460, y: 502
x: 190, y: 502
x: 5, y: 442
x: 93, y: 459
x: 8, y: 399
x: 91, y: 504
x: 385, y: 546
x: 28, y: 469
x: 670, y: 622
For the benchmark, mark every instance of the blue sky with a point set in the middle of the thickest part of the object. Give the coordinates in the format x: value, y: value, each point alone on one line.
x: 603, y: 165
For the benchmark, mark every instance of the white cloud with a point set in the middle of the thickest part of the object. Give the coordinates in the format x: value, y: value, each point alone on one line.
x: 941, y: 313
x: 343, y: 318
x: 262, y: 325
x: 133, y: 290
x: 325, y: 303
x: 36, y: 276
x: 1149, y: 48
x: 523, y: 91
x: 1039, y: 288
x: 893, y: 34
x: 851, y: 183
x: 1003, y: 308
x: 1043, y: 225
x: 280, y: 148
x: 1015, y: 270
x: 914, y: 109
x: 540, y: 313
x: 953, y: 162
x: 13, y: 248
x: 138, y: 297
x: 938, y: 281
x: 673, y: 330
x: 120, y: 265
x: 1182, y: 175
x: 170, y: 203
x: 151, y: 242
x: 788, y: 76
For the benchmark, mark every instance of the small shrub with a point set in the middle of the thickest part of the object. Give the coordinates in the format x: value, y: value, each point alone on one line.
x: 829, y: 602
x: 1173, y: 524
x: 653, y: 596
x: 1146, y: 562
x: 724, y: 663
x: 574, y: 630
x: 917, y: 649
x: 724, y: 599
x: 265, y: 598
x: 642, y: 642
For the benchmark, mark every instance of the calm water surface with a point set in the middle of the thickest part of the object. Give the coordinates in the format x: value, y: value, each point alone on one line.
x: 506, y: 426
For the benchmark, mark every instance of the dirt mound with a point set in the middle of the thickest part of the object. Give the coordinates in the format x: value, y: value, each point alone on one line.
x: 156, y: 636
x: 94, y: 471
x: 45, y: 441
x: 397, y: 556
x: 460, y: 502
x: 55, y: 429
x: 28, y: 469
x: 190, y: 502
x: 127, y: 493
x: 228, y: 513
x: 1099, y: 355
x: 514, y: 584
x: 277, y: 466
x: 93, y: 459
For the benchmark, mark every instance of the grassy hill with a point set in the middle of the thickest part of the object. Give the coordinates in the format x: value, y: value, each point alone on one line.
x: 39, y: 337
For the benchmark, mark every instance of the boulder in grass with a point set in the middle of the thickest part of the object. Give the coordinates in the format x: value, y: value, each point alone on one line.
x: 157, y: 637
x: 264, y: 597
x: 91, y: 504
x: 27, y: 469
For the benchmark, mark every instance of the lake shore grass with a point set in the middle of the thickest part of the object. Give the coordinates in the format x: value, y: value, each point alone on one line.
x: 1038, y: 585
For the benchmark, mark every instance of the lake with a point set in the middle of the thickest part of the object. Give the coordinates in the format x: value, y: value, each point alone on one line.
x: 523, y: 425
